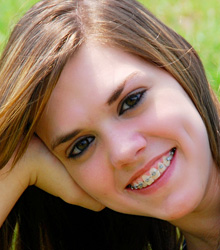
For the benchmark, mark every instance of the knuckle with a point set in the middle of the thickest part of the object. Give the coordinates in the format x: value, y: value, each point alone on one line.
x: 83, y: 202
x: 71, y: 199
x: 98, y: 208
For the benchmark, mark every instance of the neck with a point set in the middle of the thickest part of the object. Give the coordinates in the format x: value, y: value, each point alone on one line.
x: 202, y: 232
x: 201, y: 228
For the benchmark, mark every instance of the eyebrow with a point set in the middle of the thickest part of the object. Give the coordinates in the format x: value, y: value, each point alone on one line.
x: 116, y: 94
x: 64, y: 138
x: 113, y: 98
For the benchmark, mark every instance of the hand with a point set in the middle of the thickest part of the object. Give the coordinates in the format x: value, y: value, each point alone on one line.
x: 39, y: 167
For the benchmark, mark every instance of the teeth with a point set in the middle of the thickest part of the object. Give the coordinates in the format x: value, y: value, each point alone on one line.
x: 172, y: 151
x: 166, y: 162
x: 145, y: 177
x: 140, y: 185
x: 148, y: 179
x: 154, y: 172
x: 145, y: 184
x: 169, y: 158
x: 161, y: 167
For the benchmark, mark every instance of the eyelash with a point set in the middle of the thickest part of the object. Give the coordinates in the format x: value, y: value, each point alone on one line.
x: 135, y: 98
x: 88, y: 140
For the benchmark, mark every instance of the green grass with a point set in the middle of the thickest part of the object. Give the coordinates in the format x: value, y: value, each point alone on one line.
x: 195, y: 20
x: 10, y: 12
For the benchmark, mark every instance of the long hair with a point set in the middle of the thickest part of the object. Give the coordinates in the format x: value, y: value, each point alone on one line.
x: 38, y: 49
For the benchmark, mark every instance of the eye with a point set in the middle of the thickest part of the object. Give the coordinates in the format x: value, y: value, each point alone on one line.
x: 81, y: 146
x: 131, y: 101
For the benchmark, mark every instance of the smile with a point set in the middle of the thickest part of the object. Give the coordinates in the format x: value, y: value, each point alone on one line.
x: 154, y: 173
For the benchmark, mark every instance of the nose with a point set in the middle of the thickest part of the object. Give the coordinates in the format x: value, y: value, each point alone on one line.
x: 126, y: 148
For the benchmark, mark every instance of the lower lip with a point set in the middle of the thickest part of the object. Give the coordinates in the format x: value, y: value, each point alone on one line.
x: 161, y: 181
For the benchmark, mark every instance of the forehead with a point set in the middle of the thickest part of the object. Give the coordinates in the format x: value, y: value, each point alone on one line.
x: 95, y: 64
x: 84, y: 86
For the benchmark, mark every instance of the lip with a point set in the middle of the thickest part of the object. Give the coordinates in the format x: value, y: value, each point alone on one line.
x: 147, y: 167
x: 160, y: 182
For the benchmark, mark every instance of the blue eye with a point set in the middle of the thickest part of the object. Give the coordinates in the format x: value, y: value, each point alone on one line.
x: 131, y: 101
x: 81, y: 146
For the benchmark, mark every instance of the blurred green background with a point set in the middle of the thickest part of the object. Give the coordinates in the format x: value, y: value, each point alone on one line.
x: 196, y: 20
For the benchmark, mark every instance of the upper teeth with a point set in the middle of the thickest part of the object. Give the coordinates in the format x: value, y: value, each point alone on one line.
x: 154, y: 172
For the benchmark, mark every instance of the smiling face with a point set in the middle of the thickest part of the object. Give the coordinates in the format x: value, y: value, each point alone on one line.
x: 128, y: 134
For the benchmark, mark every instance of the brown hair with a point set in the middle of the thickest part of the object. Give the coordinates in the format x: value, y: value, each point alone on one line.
x: 50, y: 33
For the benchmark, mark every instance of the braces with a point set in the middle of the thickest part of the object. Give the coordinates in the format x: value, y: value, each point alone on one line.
x: 150, y: 178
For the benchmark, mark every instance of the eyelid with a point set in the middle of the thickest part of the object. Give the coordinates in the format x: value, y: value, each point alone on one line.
x: 133, y: 92
x: 73, y: 144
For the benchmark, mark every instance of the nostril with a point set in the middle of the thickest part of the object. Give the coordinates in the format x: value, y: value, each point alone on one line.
x: 140, y: 150
x: 126, y: 149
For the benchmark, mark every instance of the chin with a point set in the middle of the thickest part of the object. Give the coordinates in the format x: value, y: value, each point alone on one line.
x: 180, y: 208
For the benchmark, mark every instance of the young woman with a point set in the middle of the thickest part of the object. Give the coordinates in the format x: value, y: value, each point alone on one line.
x: 103, y: 105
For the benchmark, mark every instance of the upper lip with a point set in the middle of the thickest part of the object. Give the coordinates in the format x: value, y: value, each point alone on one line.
x: 147, y: 167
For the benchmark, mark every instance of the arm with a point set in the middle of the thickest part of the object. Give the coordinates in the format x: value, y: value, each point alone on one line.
x: 39, y: 167
x: 10, y: 190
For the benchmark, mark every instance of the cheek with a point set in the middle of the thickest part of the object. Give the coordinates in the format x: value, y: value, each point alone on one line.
x: 164, y: 123
x: 174, y: 115
x: 94, y: 177
x: 176, y: 119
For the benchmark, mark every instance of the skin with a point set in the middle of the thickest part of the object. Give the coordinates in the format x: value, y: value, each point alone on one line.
x: 123, y: 139
x: 47, y: 173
